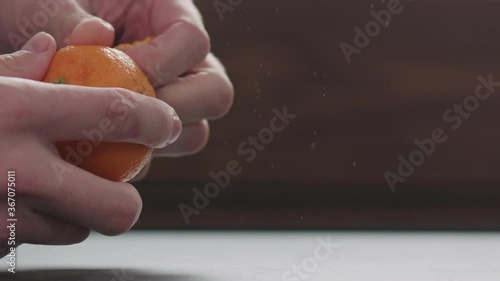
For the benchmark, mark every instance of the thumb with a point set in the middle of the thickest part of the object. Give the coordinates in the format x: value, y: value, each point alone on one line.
x: 74, y: 26
x: 32, y: 61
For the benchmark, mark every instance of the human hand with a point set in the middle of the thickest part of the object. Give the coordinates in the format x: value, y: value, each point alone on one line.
x: 177, y: 61
x: 57, y: 203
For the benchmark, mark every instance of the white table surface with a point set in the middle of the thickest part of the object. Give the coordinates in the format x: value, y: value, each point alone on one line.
x: 234, y: 256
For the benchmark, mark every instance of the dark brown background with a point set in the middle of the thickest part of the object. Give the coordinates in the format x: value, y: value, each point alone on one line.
x: 281, y: 52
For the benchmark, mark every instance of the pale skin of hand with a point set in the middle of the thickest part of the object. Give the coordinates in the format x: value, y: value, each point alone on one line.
x: 61, y: 208
x: 178, y: 63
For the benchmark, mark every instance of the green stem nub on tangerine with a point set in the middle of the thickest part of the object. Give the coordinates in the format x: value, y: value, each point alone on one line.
x: 60, y: 81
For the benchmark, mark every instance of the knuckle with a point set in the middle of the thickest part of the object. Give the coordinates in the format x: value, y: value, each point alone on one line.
x: 224, y: 91
x: 14, y: 110
x: 199, y: 38
x: 162, y: 124
x: 119, y: 111
x: 10, y: 66
x: 128, y: 112
x: 124, y: 213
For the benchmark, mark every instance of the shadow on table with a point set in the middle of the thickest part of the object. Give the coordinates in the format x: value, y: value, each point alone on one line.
x: 97, y: 275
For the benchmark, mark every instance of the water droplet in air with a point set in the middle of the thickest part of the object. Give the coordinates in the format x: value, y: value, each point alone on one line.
x: 313, y: 146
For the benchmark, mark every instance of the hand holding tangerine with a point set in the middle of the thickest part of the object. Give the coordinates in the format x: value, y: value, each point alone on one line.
x: 59, y: 203
x: 96, y: 66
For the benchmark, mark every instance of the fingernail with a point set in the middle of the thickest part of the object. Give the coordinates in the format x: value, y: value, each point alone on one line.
x: 37, y: 44
x: 108, y: 25
x: 176, y: 129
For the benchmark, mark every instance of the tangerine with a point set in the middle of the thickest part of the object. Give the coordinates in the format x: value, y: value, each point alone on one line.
x: 98, y: 66
x: 126, y: 46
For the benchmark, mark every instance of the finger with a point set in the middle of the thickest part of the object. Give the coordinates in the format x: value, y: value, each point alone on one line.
x: 67, y: 21
x: 107, y: 114
x: 162, y: 15
x: 207, y: 94
x: 32, y: 61
x: 75, y: 195
x: 89, y: 30
x: 38, y: 228
x: 193, y: 139
x: 72, y: 25
x: 172, y: 53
